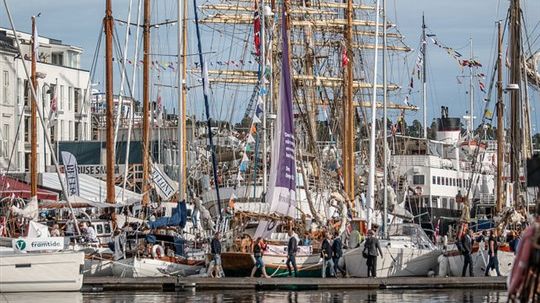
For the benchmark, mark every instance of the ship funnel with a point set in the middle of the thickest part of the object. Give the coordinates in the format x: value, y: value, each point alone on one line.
x: 448, y: 129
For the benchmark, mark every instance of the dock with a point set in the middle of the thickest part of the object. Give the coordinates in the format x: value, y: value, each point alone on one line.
x: 198, y: 283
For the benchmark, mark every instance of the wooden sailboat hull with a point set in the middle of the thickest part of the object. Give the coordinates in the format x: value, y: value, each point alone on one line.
x: 240, y: 264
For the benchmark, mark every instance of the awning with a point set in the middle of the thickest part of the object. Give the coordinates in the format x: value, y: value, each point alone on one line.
x: 10, y: 186
x: 90, y: 189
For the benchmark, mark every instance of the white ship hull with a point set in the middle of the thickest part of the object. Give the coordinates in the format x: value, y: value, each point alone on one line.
x: 33, y: 272
x: 398, y: 261
x: 147, y: 267
x: 454, y: 263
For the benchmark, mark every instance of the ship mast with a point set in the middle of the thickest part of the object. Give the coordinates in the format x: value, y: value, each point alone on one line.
x: 500, y: 123
x: 181, y: 103
x: 348, y: 111
x: 515, y: 104
x: 33, y: 104
x: 384, y: 125
x: 146, y: 96
x: 424, y: 75
x: 108, y: 25
x: 372, y: 138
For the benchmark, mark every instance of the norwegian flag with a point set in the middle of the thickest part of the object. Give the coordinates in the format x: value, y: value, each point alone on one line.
x: 437, y: 229
x: 482, y: 86
x: 257, y: 30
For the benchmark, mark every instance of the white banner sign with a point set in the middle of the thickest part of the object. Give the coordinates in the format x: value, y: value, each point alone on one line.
x: 71, y: 172
x: 163, y: 184
x: 34, y: 244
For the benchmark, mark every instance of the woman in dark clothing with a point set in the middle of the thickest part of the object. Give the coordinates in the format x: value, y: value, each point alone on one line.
x: 258, y: 249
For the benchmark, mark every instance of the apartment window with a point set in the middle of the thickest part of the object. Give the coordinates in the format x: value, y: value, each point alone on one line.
x: 18, y: 90
x: 459, y: 182
x: 62, y: 130
x: 452, y: 203
x: 439, y: 180
x: 70, y: 125
x: 57, y: 58
x: 83, y: 135
x: 70, y: 97
x: 27, y: 161
x: 4, y: 147
x: 6, y: 87
x: 26, y: 93
x: 61, y: 100
x: 26, y: 129
x: 77, y: 129
x: 418, y: 179
x: 444, y: 203
x: 446, y: 181
x: 433, y: 180
x: 77, y: 98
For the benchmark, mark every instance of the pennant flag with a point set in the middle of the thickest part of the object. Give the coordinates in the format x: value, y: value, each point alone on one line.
x: 482, y: 86
x: 245, y: 158
x: 53, y: 113
x: 159, y: 109
x: 256, y: 119
x: 488, y: 114
x: 253, y: 129
x: 250, y: 139
x: 239, y: 177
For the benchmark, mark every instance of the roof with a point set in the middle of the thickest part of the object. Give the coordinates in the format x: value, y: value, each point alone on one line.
x: 91, y: 189
x: 10, y: 186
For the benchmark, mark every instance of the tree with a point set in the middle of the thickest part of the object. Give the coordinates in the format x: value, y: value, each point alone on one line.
x: 536, y: 141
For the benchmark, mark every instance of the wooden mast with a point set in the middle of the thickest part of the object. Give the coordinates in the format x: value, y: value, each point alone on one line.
x: 348, y: 111
x: 146, y: 103
x: 181, y: 104
x: 515, y: 79
x: 500, y: 123
x: 33, y: 104
x: 108, y: 25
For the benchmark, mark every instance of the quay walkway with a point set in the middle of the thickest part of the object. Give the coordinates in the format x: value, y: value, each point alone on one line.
x: 197, y: 283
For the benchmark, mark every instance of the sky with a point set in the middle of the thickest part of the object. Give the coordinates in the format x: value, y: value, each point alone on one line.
x: 454, y: 22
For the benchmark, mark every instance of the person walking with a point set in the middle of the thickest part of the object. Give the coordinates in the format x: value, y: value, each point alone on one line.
x: 337, y: 253
x: 215, y: 250
x: 326, y: 255
x: 292, y: 247
x: 258, y: 250
x: 371, y: 249
x: 466, y: 250
x: 493, y: 247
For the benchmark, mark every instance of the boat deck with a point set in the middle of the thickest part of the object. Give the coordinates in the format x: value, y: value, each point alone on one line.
x: 178, y: 283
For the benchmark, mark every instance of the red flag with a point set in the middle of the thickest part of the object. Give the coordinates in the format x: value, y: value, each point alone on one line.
x: 482, y: 86
x: 344, y: 58
x: 257, y: 30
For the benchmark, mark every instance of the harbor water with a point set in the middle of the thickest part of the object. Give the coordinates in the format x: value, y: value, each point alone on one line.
x: 244, y: 296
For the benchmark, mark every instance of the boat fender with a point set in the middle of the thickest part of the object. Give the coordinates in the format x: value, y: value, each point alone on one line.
x: 157, y: 251
x: 418, y: 191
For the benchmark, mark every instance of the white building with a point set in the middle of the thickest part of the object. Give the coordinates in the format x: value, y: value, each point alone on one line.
x: 59, y: 74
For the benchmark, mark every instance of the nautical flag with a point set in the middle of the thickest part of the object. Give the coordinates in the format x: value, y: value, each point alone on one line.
x: 482, y: 86
x: 281, y: 194
x: 344, y: 58
x: 257, y: 30
x: 250, y: 139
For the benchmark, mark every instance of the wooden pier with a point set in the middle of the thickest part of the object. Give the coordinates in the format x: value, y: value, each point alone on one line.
x: 179, y: 284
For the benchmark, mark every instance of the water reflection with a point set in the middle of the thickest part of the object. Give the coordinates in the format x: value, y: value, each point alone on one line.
x: 243, y: 296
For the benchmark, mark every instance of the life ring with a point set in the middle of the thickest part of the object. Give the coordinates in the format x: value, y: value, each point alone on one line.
x: 418, y: 191
x: 157, y: 251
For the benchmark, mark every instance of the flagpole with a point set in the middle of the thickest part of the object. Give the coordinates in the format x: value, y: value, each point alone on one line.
x: 424, y: 74
x: 146, y: 97
x: 33, y: 104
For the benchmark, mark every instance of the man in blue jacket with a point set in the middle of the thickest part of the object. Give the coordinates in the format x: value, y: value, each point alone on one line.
x: 292, y: 247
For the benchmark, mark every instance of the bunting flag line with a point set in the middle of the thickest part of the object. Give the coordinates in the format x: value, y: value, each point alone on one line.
x: 257, y: 30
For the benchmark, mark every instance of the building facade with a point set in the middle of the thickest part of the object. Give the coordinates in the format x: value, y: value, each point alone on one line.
x: 61, y: 84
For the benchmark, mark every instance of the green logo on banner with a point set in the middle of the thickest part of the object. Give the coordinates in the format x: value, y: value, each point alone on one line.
x: 20, y: 244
